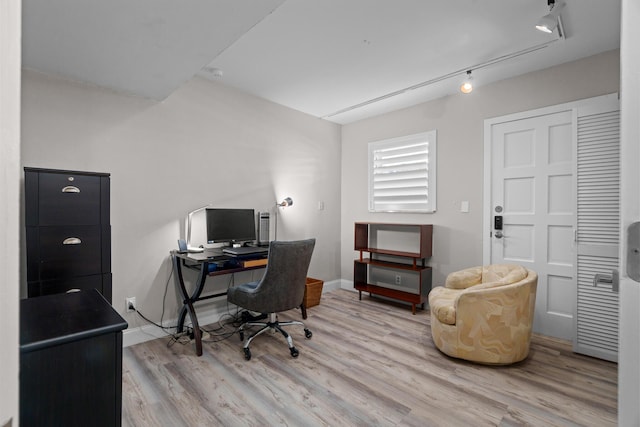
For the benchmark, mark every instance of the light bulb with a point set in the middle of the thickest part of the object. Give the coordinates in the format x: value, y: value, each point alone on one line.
x: 467, y: 85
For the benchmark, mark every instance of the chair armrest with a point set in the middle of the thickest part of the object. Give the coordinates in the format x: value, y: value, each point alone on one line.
x: 442, y: 304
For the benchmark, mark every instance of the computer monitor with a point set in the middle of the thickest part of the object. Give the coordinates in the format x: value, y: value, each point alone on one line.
x: 230, y: 225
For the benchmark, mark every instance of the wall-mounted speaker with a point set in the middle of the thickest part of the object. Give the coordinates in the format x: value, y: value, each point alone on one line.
x: 263, y: 228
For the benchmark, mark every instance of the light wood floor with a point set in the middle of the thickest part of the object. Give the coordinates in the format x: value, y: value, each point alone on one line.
x: 369, y: 363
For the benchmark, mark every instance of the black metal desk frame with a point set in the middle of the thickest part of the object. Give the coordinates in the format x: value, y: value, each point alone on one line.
x: 200, y: 262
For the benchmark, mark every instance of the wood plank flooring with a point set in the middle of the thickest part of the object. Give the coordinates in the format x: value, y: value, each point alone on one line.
x: 369, y: 363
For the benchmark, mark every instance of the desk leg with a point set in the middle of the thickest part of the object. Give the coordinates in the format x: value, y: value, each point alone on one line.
x: 303, y: 309
x: 187, y: 302
x: 179, y: 281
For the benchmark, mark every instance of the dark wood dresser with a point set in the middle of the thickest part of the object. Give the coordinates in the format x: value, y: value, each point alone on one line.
x: 68, y: 231
x: 70, y: 361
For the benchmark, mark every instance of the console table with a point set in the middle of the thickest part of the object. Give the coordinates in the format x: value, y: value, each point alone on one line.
x: 396, y: 264
x: 211, y: 262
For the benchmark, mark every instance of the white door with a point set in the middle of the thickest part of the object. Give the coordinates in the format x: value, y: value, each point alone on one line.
x: 532, y: 192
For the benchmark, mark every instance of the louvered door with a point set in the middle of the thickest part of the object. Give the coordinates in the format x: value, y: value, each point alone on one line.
x: 598, y: 216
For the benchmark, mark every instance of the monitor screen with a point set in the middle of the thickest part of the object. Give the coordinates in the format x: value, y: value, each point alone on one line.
x: 230, y: 225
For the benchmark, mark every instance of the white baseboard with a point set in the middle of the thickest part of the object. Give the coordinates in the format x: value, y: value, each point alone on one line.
x: 347, y: 285
x: 147, y: 332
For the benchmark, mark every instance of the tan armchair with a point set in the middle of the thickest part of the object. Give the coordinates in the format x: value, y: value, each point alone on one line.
x: 485, y: 314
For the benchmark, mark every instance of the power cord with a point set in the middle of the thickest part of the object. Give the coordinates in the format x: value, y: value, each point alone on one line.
x: 220, y: 333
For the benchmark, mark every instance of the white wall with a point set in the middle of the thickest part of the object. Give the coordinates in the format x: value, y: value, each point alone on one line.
x: 10, y: 13
x: 459, y: 122
x: 204, y: 144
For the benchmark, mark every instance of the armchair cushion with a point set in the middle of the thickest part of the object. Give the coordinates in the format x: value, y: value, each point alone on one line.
x: 464, y: 278
x: 504, y: 274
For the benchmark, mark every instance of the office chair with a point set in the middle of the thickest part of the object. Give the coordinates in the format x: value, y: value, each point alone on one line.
x: 280, y: 289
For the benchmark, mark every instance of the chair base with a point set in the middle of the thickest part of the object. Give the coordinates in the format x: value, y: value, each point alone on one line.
x: 275, y: 325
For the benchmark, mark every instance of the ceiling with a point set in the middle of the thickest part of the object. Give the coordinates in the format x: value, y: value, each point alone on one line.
x: 340, y: 60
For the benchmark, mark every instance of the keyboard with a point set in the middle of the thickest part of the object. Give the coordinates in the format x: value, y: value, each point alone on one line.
x: 218, y: 257
x: 245, y: 250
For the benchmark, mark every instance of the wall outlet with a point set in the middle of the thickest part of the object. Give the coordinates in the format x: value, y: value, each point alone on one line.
x: 130, y: 303
x: 398, y: 279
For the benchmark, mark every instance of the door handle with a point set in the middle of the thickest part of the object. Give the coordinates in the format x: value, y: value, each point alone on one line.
x: 612, y: 279
x: 633, y: 251
x: 499, y: 234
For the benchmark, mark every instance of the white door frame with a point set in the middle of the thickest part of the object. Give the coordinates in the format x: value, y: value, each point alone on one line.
x: 629, y: 348
x: 10, y: 78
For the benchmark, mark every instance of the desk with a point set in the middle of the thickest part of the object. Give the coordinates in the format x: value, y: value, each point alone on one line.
x: 225, y: 264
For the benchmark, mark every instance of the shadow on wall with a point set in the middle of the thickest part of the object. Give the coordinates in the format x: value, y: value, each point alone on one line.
x: 461, y: 244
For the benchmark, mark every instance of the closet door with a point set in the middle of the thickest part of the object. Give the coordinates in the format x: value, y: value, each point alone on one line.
x: 598, y: 217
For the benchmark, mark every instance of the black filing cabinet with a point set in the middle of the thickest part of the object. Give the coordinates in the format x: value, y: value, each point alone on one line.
x: 70, y: 361
x: 68, y: 231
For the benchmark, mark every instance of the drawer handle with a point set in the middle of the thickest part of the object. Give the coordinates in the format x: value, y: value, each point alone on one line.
x: 70, y: 189
x: 70, y: 291
x: 71, y: 241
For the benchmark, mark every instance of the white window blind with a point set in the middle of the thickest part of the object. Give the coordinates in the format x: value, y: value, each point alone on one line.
x: 402, y: 174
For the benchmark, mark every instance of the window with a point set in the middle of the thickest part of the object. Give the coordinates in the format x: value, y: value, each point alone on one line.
x: 402, y: 174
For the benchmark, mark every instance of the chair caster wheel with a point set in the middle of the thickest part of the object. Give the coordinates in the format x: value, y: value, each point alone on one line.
x: 294, y: 352
x: 308, y: 333
x: 241, y: 336
x: 247, y: 354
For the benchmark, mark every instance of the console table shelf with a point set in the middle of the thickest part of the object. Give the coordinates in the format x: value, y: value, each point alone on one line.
x: 396, y: 265
x: 389, y: 264
x: 413, y: 255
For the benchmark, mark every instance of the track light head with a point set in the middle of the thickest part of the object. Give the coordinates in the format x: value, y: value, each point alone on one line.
x: 286, y: 202
x: 467, y: 85
x: 549, y: 22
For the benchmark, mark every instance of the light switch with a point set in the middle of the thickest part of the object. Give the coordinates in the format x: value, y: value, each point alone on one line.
x: 320, y: 205
x: 464, y: 206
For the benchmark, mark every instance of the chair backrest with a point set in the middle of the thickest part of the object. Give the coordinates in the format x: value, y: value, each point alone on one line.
x: 283, y: 284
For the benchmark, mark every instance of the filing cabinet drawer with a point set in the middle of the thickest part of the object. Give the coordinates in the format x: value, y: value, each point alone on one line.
x: 64, y: 198
x: 101, y: 282
x: 69, y: 251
